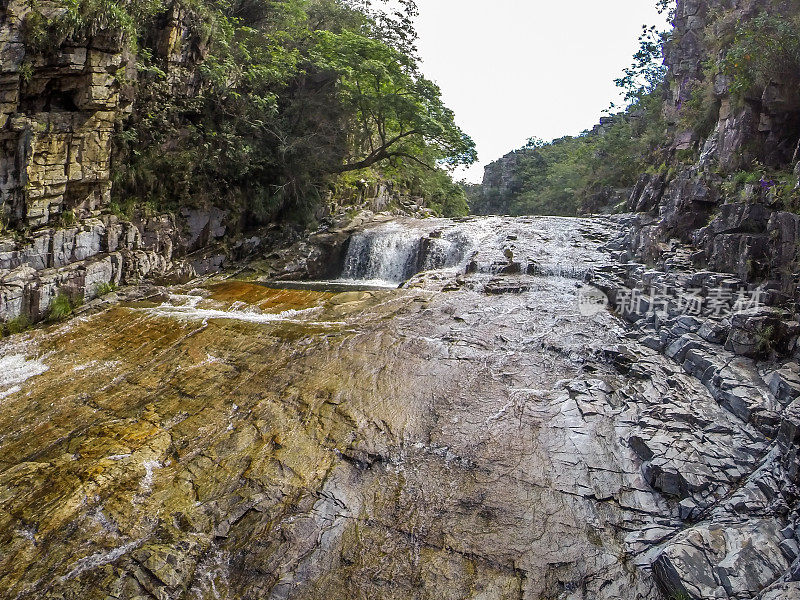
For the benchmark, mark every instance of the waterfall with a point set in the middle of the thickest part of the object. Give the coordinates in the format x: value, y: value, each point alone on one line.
x: 393, y: 253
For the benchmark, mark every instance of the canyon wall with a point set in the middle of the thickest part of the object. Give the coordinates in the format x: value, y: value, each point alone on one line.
x: 59, y: 111
x: 744, y: 230
x: 722, y: 174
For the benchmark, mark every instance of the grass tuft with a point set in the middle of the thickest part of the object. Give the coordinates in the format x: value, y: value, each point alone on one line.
x: 60, y: 309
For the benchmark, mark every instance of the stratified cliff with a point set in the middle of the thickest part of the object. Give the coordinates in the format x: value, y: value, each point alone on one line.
x: 136, y: 134
x: 59, y: 111
x: 735, y: 196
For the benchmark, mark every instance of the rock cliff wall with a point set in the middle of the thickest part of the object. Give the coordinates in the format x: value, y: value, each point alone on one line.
x: 501, y: 180
x: 63, y: 106
x: 59, y: 110
x: 744, y: 230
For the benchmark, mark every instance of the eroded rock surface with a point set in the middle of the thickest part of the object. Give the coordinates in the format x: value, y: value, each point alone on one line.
x: 476, y: 434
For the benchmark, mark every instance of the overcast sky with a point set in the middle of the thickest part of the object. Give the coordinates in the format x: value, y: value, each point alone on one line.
x: 514, y: 69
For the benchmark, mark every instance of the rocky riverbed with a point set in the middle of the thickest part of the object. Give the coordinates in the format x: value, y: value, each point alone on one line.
x: 487, y: 431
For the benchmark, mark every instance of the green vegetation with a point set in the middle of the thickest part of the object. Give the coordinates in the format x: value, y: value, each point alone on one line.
x: 700, y: 112
x: 765, y: 340
x: 47, y: 27
x: 60, y: 308
x: 104, y: 289
x: 272, y: 101
x: 68, y: 218
x: 15, y: 326
x: 764, y: 49
x: 574, y: 175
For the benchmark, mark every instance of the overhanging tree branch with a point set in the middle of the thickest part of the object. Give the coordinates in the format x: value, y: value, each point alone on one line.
x: 378, y: 155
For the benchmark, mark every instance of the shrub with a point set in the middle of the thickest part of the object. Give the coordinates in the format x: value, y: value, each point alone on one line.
x: 104, y: 289
x: 766, y: 339
x: 764, y: 49
x: 17, y: 325
x: 60, y: 309
x: 68, y: 218
x: 700, y: 112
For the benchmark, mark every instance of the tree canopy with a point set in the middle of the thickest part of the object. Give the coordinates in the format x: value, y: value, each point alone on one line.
x: 394, y: 112
x: 276, y: 100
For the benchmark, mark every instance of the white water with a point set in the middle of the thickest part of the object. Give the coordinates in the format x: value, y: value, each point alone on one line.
x: 392, y: 253
x: 186, y: 307
x: 16, y: 369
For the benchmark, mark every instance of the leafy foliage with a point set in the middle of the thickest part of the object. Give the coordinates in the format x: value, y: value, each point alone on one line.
x: 764, y: 49
x: 269, y: 101
x: 291, y: 93
x: 699, y: 113
x: 104, y: 289
x: 60, y: 308
x: 394, y: 112
x: 47, y: 27
x: 15, y: 326
x: 647, y: 72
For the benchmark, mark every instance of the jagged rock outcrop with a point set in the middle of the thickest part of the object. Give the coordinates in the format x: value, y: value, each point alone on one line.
x: 501, y: 181
x: 746, y: 233
x: 59, y: 110
x: 729, y: 335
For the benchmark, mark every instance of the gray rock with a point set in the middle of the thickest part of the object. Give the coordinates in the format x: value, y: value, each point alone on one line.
x: 785, y: 383
x: 790, y: 549
x: 715, y: 332
x: 742, y: 558
x: 761, y: 332
x: 782, y: 591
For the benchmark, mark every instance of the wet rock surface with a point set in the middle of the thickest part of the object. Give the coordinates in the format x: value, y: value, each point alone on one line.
x: 483, y: 432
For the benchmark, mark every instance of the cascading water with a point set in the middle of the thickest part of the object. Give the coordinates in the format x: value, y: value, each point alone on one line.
x: 393, y: 253
x: 389, y: 253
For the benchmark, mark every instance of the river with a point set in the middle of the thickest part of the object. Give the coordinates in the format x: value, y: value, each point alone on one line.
x: 469, y: 435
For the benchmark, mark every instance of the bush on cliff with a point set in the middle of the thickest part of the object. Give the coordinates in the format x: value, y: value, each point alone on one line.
x: 764, y: 49
x: 260, y: 104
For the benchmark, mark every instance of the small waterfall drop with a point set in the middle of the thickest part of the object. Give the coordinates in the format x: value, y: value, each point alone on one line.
x: 389, y: 253
x: 394, y: 252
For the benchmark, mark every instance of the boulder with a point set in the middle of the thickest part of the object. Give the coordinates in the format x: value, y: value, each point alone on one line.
x: 785, y: 383
x: 782, y: 591
x: 713, y: 560
x: 714, y: 331
x: 762, y: 332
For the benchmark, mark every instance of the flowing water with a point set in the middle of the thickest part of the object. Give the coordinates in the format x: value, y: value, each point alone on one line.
x: 391, y: 253
x: 464, y: 436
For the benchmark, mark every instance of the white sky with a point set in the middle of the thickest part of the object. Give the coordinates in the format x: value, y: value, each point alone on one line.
x: 514, y: 69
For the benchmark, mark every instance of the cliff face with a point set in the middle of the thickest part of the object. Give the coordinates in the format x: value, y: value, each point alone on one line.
x: 58, y: 114
x: 500, y: 181
x: 745, y: 230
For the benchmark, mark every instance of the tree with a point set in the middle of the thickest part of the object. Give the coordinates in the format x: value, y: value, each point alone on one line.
x: 394, y: 111
x: 290, y: 94
x: 647, y: 71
